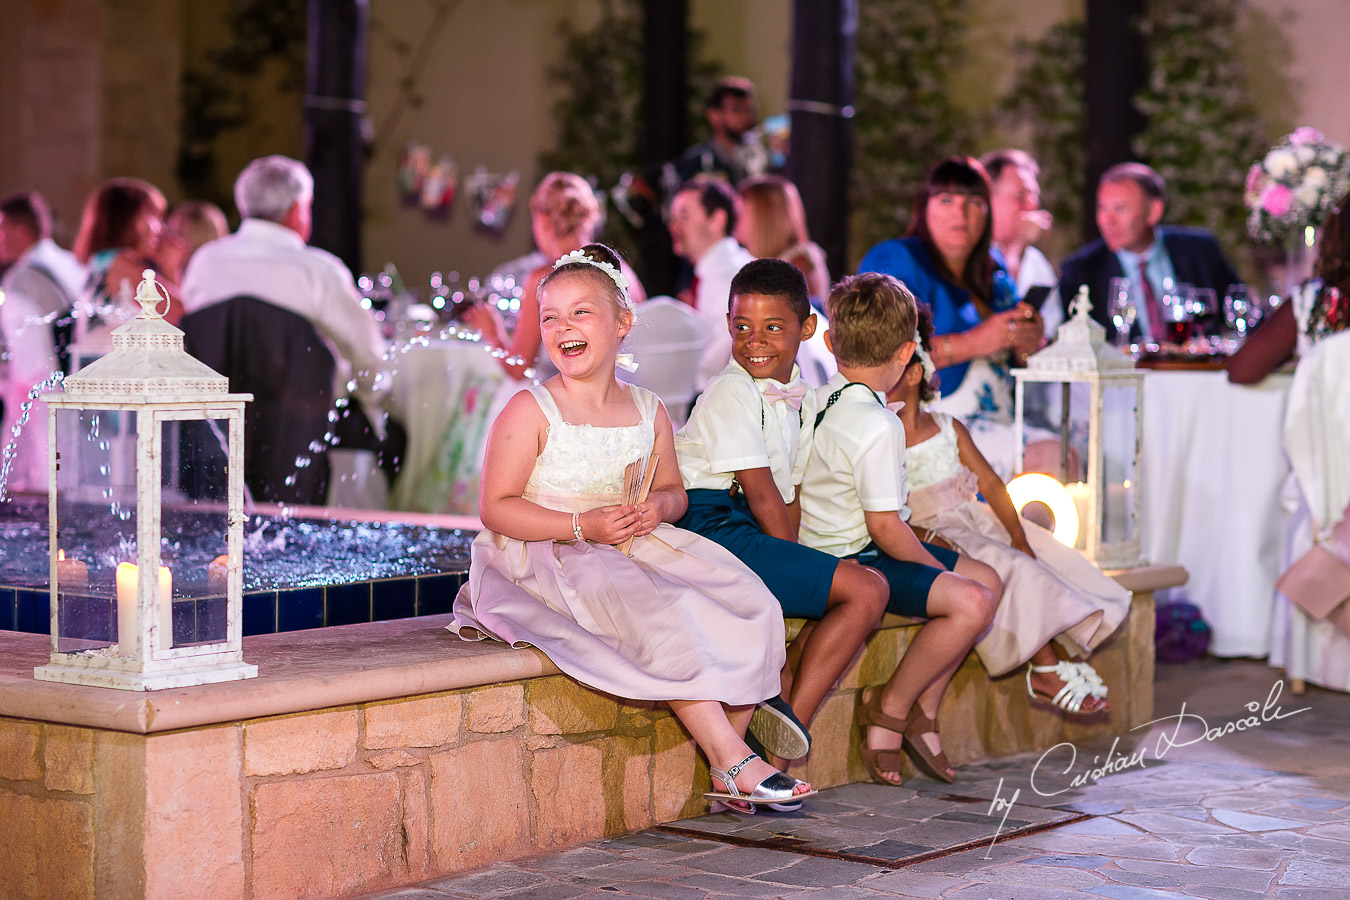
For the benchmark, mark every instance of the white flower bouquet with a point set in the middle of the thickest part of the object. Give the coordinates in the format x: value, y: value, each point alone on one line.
x: 1295, y: 185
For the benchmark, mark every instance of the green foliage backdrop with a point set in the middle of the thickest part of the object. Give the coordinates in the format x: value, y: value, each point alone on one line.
x: 905, y: 119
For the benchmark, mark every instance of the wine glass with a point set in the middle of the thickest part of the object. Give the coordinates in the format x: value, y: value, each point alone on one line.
x: 1238, y: 308
x: 1123, y: 309
x: 1178, y: 301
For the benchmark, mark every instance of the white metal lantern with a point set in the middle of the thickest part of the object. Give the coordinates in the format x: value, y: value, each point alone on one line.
x: 116, y: 514
x: 1100, y: 411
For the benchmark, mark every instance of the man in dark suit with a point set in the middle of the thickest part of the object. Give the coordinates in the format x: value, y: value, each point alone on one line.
x: 1130, y: 201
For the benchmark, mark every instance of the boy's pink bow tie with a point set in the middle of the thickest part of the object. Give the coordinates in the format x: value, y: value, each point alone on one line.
x: 792, y: 394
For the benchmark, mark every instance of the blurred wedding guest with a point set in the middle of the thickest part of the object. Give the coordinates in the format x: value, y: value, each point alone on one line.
x: 772, y: 225
x: 703, y: 216
x: 564, y: 216
x: 118, y: 240
x: 728, y: 153
x: 1131, y: 199
x: 189, y: 225
x: 981, y: 329
x: 1319, y: 308
x: 286, y: 319
x: 1019, y: 222
x: 37, y: 293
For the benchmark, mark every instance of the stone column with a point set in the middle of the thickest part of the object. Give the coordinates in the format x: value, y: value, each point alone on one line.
x: 335, y: 110
x: 824, y: 36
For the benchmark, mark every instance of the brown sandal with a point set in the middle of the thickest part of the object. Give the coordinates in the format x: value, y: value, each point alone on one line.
x: 869, y: 714
x: 934, y: 765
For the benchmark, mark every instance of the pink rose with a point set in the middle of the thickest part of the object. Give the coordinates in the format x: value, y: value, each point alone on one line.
x: 1276, y: 199
x: 1256, y: 182
x: 1306, y: 135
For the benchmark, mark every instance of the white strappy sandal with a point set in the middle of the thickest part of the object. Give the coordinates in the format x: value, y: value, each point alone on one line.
x: 1080, y: 682
x: 774, y: 789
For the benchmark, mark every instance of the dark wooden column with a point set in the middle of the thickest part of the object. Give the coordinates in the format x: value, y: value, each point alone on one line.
x: 824, y: 37
x: 665, y: 65
x: 335, y: 143
x: 1113, y: 75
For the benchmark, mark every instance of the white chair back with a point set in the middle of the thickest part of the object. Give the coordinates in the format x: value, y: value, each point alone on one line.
x: 667, y: 340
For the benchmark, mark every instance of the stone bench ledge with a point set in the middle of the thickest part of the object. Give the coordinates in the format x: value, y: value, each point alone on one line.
x: 298, y: 671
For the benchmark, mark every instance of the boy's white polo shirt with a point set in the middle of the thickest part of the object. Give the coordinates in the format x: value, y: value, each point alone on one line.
x: 724, y: 434
x: 857, y: 464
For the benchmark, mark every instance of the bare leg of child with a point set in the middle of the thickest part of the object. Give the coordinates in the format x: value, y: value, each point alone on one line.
x: 794, y: 657
x: 959, y: 609
x: 857, y: 600
x: 709, y: 722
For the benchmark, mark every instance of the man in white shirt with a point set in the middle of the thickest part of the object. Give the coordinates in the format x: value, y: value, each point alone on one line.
x: 267, y: 258
x: 702, y: 218
x: 41, y: 284
x: 1018, y: 222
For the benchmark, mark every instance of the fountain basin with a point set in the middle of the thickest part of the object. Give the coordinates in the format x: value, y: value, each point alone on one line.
x: 303, y: 568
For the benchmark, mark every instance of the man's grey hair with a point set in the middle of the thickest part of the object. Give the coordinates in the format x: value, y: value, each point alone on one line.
x: 269, y: 185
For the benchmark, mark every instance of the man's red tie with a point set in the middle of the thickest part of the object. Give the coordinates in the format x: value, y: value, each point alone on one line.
x: 1155, y: 318
x: 693, y: 293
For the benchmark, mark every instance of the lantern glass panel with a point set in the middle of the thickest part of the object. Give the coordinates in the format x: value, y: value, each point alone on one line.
x: 1119, y: 438
x: 194, y: 525
x: 96, y: 522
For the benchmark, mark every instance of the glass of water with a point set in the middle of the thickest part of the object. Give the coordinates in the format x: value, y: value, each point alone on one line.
x: 1123, y: 309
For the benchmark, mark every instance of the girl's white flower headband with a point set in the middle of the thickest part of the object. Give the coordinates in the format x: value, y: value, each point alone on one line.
x: 619, y: 279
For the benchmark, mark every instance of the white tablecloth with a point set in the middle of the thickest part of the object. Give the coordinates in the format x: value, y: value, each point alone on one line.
x: 443, y: 393
x: 1213, y: 467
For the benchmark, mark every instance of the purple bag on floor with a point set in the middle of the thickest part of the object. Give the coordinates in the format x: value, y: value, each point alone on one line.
x: 1182, y: 633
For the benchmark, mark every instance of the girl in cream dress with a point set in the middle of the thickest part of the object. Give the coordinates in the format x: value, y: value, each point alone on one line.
x: 671, y: 617
x: 1052, y: 594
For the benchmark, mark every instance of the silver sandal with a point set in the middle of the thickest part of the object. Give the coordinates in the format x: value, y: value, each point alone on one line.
x: 774, y: 789
x: 1080, y: 682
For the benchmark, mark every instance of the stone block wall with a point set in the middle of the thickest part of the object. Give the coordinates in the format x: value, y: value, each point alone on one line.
x: 342, y: 801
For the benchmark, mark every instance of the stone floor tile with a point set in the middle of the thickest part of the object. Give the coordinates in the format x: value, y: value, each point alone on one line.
x: 1139, y: 879
x: 1335, y: 832
x: 986, y: 891
x: 1224, y: 893
x: 1162, y: 823
x: 732, y: 887
x: 1305, y: 873
x: 1249, y: 822
x: 1240, y: 879
x: 1237, y: 859
x: 1302, y: 893
x: 908, y: 883
x: 1066, y: 860
x: 840, y: 893
x: 571, y: 860
x: 815, y: 871
x: 1129, y: 892
x: 1101, y: 825
x: 1054, y: 876
x: 619, y: 874
x: 1324, y: 804
x: 663, y: 890
x: 743, y: 862
x: 492, y: 882
x: 553, y: 890
x: 971, y: 861
x: 1151, y: 848
x: 417, y: 893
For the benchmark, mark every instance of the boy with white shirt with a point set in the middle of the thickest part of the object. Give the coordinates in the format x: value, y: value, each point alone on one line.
x: 853, y: 502
x: 742, y: 455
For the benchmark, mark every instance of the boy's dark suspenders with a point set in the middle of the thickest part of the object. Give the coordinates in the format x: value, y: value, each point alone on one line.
x: 835, y: 396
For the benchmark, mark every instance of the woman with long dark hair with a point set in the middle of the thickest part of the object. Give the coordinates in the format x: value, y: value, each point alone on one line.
x: 980, y: 327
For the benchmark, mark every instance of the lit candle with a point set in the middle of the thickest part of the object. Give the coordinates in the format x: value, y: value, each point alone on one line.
x: 71, y: 574
x: 1078, y: 490
x: 128, y: 584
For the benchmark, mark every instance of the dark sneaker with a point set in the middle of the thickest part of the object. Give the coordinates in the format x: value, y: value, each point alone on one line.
x: 778, y: 730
